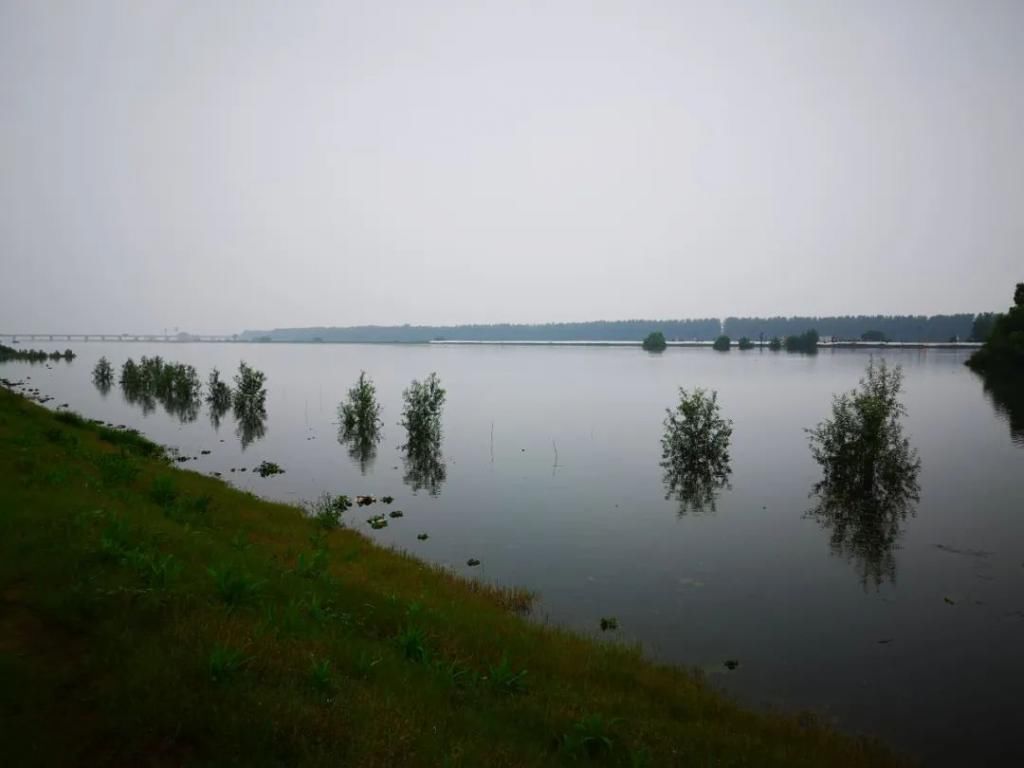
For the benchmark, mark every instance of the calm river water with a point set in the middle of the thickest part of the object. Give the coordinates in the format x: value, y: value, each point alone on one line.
x: 553, y: 482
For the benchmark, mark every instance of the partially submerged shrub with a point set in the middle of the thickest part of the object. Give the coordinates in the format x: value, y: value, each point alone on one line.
x: 421, y: 415
x: 360, y: 414
x: 218, y: 393
x: 103, y: 373
x: 870, y: 471
x: 695, y: 449
x: 722, y: 343
x: 655, y: 342
x: 250, y: 390
x: 806, y: 342
x: 745, y: 343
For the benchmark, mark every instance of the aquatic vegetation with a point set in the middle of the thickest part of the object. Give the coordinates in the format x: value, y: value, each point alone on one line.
x: 655, y: 342
x: 218, y: 397
x: 608, y: 623
x: 722, y: 343
x: 268, y: 469
x: 33, y: 355
x: 377, y: 522
x: 695, y: 450
x: 103, y: 374
x: 869, y: 484
x: 360, y: 414
x: 805, y: 343
x: 250, y: 426
x: 775, y: 344
x: 176, y: 386
x: 745, y: 343
x: 421, y: 415
x: 250, y: 389
x: 472, y: 562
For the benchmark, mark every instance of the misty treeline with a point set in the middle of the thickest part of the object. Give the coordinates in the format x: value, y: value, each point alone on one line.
x: 853, y: 327
x: 619, y: 330
x: 893, y: 327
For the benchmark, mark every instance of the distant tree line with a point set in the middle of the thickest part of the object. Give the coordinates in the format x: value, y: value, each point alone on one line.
x: 939, y: 328
x: 616, y: 330
x: 852, y: 327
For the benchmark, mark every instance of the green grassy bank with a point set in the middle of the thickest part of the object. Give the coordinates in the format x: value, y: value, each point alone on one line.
x: 154, y: 616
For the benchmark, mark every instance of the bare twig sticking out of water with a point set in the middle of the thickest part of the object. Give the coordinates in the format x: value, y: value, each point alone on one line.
x: 555, y: 448
x: 492, y: 441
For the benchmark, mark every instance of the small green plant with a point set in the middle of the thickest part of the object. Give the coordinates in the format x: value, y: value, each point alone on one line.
x: 590, y: 737
x: 655, y: 342
x: 504, y: 678
x: 313, y: 565
x: 327, y: 510
x: 156, y: 570
x: 412, y: 642
x: 224, y: 663
x: 320, y: 676
x: 234, y: 587
x: 117, y: 469
x: 163, y: 491
x: 722, y: 343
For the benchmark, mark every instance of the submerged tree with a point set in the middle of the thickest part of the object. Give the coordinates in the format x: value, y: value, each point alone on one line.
x: 218, y: 397
x: 745, y: 343
x: 103, y: 375
x: 695, y: 450
x: 421, y: 414
x: 421, y: 417
x: 775, y: 344
x: 722, y: 343
x: 655, y: 342
x: 870, y: 471
x: 806, y: 342
x: 359, y: 422
x: 360, y: 414
x: 250, y: 392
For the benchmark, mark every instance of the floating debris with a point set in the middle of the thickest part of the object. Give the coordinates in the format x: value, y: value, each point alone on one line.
x: 948, y: 601
x: 608, y: 623
x: 387, y: 499
x: 204, y: 453
x: 472, y: 561
x: 423, y: 537
x: 364, y: 501
x: 731, y: 664
x: 377, y: 522
x: 396, y: 513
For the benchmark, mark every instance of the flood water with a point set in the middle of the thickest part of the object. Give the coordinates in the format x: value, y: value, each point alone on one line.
x: 552, y: 480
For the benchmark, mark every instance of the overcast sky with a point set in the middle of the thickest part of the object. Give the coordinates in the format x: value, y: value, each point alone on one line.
x: 216, y: 166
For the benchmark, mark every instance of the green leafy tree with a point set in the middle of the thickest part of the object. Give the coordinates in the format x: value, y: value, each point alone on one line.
x: 103, y: 373
x: 722, y: 343
x: 655, y: 342
x: 1004, y: 347
x: 421, y: 415
x: 806, y: 342
x: 250, y: 389
x: 695, y: 450
x: 869, y: 483
x: 361, y: 412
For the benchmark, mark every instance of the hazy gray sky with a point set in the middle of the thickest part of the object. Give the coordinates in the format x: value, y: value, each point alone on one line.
x: 222, y: 165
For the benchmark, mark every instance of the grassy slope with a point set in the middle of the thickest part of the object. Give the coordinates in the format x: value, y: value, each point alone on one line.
x: 118, y: 645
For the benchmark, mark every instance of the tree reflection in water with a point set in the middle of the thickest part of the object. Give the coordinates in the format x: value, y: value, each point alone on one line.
x: 424, y: 467
x: 869, y: 485
x: 1006, y: 391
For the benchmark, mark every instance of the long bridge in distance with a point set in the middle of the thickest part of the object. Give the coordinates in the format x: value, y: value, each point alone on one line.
x: 127, y: 337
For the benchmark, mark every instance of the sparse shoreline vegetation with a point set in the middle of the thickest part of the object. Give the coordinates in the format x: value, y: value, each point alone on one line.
x: 180, y: 617
x: 33, y: 355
